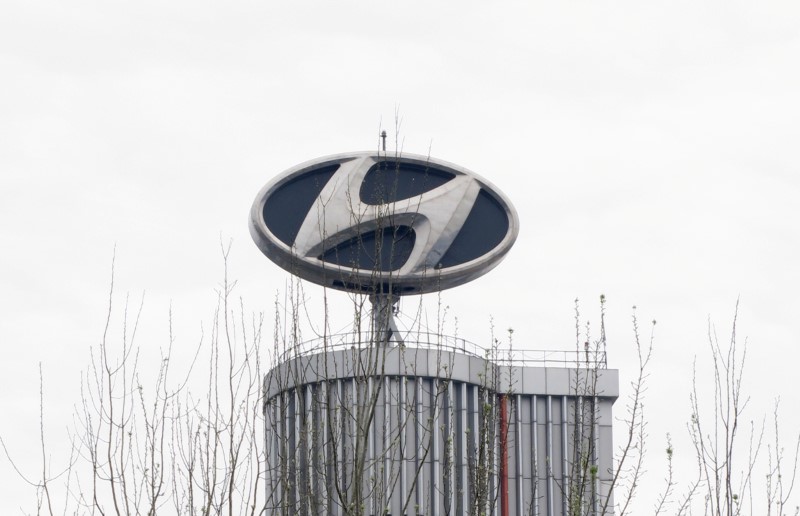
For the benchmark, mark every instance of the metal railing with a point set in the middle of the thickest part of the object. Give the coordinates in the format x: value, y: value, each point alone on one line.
x: 434, y: 341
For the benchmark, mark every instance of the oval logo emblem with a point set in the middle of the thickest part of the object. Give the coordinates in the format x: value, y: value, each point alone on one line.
x: 376, y: 223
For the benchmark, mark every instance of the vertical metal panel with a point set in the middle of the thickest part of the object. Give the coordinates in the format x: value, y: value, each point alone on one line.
x: 308, y: 450
x: 461, y: 459
x: 338, y: 442
x: 403, y: 418
x: 371, y: 472
x: 316, y: 452
x: 518, y: 448
x: 269, y: 459
x: 535, y: 463
x: 494, y: 424
x: 419, y: 468
x: 475, y: 433
x: 324, y: 452
x: 285, y: 435
x: 549, y: 460
x: 504, y: 458
x: 288, y: 443
x: 280, y: 470
x: 595, y: 456
x: 450, y: 450
x: 353, y: 422
x: 273, y: 457
x: 435, y: 444
x: 400, y: 415
x: 299, y: 414
x: 384, y: 446
x: 564, y: 458
x: 582, y: 454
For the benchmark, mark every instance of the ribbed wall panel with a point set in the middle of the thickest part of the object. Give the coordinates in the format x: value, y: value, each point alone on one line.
x: 408, y: 445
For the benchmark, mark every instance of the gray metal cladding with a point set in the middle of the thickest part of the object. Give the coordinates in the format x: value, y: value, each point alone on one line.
x: 405, y: 444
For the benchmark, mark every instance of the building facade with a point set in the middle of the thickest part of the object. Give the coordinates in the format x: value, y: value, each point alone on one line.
x: 437, y: 426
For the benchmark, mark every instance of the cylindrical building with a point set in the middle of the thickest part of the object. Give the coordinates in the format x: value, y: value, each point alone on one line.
x: 437, y: 426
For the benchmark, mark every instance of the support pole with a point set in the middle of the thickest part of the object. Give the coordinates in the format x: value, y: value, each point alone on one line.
x: 384, y: 326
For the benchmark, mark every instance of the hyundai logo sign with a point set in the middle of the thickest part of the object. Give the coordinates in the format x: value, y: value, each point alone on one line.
x: 374, y: 223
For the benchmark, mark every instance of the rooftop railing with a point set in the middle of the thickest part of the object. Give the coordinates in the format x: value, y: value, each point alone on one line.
x: 588, y: 358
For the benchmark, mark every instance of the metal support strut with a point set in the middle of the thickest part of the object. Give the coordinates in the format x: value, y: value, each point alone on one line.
x: 384, y: 326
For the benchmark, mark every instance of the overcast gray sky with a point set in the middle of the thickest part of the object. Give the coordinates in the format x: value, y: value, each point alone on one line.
x: 650, y: 148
